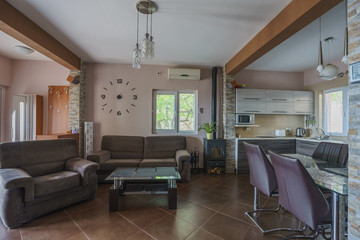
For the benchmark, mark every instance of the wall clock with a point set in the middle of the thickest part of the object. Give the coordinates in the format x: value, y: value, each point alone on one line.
x: 118, y: 97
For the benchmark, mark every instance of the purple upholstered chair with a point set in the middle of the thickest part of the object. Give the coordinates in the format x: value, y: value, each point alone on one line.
x: 298, y: 192
x: 332, y: 152
x: 262, y: 177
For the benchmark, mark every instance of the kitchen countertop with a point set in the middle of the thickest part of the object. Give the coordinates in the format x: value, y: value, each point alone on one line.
x: 294, y: 138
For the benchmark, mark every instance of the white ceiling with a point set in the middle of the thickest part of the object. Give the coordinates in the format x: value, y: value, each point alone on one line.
x: 186, y: 32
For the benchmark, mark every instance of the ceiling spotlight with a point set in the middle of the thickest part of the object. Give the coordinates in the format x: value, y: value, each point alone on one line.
x: 23, y: 49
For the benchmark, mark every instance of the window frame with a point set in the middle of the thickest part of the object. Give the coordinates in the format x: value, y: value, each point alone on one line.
x: 176, y: 93
x: 345, y: 99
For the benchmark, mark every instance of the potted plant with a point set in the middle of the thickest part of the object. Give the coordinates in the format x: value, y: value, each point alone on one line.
x: 208, y: 128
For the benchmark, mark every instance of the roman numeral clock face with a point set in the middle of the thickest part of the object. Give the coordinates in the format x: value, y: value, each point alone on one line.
x: 118, y: 98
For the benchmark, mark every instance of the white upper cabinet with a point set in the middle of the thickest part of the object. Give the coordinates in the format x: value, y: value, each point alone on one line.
x: 243, y: 94
x: 303, y: 96
x: 261, y: 101
x: 279, y: 96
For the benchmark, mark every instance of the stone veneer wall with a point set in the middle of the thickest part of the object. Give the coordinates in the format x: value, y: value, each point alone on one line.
x: 77, y: 106
x: 229, y: 121
x: 354, y: 123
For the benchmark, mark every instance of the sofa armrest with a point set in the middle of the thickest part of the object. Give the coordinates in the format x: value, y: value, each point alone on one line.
x: 99, y: 157
x: 13, y: 178
x: 182, y: 156
x: 83, y: 167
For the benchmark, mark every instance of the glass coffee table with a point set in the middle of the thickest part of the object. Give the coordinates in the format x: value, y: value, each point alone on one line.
x: 158, y: 180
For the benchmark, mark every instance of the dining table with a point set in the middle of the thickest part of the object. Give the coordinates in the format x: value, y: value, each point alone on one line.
x: 334, y: 178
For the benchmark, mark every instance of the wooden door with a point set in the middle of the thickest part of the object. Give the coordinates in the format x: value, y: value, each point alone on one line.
x: 58, y: 109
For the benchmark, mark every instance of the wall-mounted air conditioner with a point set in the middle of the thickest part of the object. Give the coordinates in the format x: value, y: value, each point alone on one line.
x: 184, y: 73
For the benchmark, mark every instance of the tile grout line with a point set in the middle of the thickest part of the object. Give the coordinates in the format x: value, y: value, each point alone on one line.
x: 140, y: 227
x: 21, y: 237
x: 67, y: 214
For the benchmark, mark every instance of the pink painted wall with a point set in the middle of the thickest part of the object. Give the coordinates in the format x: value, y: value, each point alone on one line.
x: 32, y: 77
x: 311, y: 76
x: 271, y: 80
x: 138, y: 121
x: 5, y: 71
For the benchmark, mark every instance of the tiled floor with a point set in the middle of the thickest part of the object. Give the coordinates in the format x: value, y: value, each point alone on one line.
x: 209, y: 207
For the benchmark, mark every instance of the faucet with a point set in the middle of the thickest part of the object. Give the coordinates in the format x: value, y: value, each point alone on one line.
x: 322, y: 135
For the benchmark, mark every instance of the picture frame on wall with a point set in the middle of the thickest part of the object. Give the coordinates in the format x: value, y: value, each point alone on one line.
x: 354, y: 69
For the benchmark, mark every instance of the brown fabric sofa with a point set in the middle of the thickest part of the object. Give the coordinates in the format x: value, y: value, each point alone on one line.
x: 132, y: 151
x: 37, y: 177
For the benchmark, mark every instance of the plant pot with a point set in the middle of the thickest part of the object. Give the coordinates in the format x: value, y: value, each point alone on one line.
x: 209, y: 136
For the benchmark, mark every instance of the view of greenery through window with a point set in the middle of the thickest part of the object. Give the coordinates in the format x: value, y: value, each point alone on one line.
x: 334, y: 111
x: 165, y: 111
x: 166, y: 114
x: 186, y: 112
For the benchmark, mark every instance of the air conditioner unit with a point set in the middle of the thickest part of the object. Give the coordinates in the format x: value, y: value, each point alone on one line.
x: 184, y: 73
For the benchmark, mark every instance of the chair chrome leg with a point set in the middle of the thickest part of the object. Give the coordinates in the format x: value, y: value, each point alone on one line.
x: 302, y: 236
x: 258, y: 210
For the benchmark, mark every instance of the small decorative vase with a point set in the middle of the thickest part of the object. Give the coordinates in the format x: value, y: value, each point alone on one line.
x: 209, y: 136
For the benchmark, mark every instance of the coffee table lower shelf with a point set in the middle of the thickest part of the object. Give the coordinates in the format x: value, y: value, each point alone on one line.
x: 122, y: 188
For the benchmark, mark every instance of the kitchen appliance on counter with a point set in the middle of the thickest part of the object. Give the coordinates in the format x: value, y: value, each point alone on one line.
x: 244, y: 119
x: 300, y: 132
x: 280, y: 133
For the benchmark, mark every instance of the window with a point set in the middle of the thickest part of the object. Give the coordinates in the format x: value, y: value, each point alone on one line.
x: 336, y: 111
x: 174, y: 111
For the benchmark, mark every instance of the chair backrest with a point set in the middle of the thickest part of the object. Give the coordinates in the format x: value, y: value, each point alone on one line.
x: 298, y: 192
x: 262, y: 175
x: 332, y: 152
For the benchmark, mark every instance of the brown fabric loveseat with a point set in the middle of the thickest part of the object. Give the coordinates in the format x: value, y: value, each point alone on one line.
x: 132, y: 151
x: 37, y: 177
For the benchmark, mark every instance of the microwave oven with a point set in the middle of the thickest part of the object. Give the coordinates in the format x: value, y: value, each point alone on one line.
x: 244, y: 119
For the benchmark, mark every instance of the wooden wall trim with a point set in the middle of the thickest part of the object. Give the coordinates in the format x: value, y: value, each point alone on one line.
x: 20, y: 27
x: 295, y: 16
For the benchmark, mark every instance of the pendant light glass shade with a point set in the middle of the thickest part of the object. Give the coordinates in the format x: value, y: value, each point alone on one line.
x: 329, y: 72
x: 146, y: 45
x: 152, y: 48
x: 136, y: 57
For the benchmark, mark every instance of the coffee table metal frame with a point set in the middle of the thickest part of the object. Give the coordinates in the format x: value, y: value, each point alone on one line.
x: 156, y: 175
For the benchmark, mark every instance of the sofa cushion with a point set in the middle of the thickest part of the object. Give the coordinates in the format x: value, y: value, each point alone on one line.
x: 38, y: 157
x: 163, y: 146
x: 123, y: 147
x: 114, y: 163
x: 56, y: 182
x: 165, y: 162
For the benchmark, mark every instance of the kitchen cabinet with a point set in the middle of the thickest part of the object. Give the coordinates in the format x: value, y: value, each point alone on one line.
x: 306, y: 147
x: 260, y: 101
x: 278, y: 146
x: 250, y: 107
x: 303, y: 96
x: 279, y: 96
x: 279, y: 107
x: 304, y: 108
x: 256, y: 95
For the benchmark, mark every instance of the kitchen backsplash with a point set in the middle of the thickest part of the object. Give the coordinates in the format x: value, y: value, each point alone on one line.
x: 268, y: 124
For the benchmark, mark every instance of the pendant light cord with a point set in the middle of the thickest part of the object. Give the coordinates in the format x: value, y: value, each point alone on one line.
x: 137, y: 28
x: 151, y: 24
x: 147, y: 17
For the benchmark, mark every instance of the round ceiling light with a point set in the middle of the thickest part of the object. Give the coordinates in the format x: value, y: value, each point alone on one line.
x: 23, y: 49
x: 329, y: 72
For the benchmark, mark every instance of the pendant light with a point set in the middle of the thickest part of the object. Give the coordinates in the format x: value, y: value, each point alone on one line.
x: 330, y: 71
x: 345, y: 57
x: 137, y: 52
x: 320, y: 66
x: 147, y: 50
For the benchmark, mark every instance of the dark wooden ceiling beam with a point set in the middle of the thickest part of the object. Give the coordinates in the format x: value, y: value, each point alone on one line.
x: 295, y: 16
x: 20, y: 27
